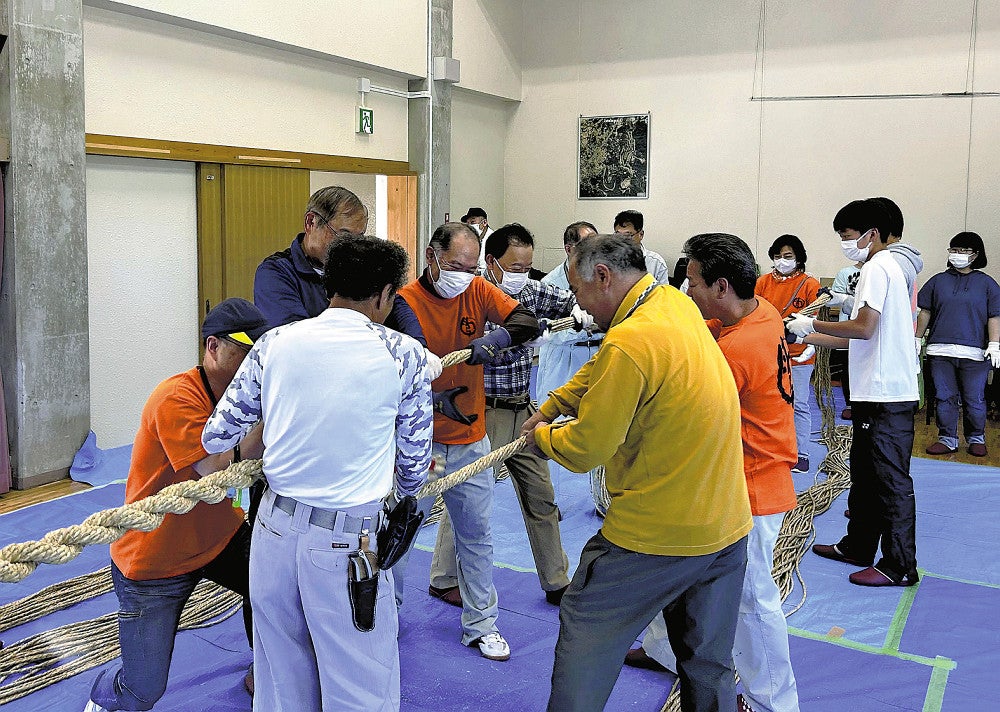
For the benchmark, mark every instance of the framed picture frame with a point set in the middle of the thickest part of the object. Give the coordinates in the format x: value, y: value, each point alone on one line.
x: 613, y: 157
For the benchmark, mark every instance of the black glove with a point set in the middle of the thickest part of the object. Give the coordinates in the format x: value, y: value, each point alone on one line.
x: 485, y: 348
x: 401, y: 522
x: 790, y: 337
x: 444, y: 403
x: 823, y: 290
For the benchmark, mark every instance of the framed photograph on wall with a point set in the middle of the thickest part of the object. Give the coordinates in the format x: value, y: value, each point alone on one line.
x: 613, y: 158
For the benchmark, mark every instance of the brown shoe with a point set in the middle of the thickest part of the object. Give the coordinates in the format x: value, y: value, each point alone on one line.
x: 638, y: 658
x: 830, y: 551
x: 873, y: 577
x: 449, y: 595
x: 977, y: 450
x: 940, y: 448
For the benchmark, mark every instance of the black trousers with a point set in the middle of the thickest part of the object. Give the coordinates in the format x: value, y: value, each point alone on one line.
x: 840, y: 372
x: 883, y: 508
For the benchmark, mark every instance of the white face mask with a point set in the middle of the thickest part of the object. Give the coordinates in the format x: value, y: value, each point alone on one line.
x: 450, y: 284
x: 480, y: 228
x: 785, y: 265
x: 853, y: 252
x: 510, y: 282
x: 959, y: 261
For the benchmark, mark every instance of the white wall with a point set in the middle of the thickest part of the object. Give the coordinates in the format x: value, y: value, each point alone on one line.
x: 479, y: 127
x: 142, y: 271
x: 487, y: 41
x: 721, y: 162
x: 391, y: 34
x: 150, y: 79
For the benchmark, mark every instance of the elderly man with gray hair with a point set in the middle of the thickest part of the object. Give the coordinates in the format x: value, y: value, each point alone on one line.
x: 658, y: 405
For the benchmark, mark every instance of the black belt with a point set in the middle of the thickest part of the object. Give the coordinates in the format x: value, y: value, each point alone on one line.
x: 590, y: 344
x: 326, y: 518
x: 505, y: 404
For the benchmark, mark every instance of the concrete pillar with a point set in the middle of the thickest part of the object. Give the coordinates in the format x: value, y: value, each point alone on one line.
x: 430, y: 134
x: 44, y: 332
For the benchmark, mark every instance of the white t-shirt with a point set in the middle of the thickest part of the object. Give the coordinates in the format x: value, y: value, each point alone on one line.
x: 346, y: 405
x: 884, y: 367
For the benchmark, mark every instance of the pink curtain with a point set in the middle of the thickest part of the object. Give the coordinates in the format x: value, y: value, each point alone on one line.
x: 4, y: 445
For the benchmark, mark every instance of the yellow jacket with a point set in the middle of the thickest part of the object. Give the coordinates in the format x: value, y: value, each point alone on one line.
x: 657, y: 405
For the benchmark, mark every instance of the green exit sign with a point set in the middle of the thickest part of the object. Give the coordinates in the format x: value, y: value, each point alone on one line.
x: 366, y: 120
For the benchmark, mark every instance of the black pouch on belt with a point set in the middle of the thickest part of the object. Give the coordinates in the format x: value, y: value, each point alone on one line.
x: 399, y: 527
x: 362, y: 585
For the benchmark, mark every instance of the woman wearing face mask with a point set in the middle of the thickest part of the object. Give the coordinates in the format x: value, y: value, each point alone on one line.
x: 790, y: 289
x: 962, y: 307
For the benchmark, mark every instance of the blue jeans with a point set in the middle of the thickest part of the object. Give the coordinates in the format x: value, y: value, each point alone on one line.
x: 953, y: 377
x: 148, y: 615
x: 470, y: 506
x: 801, y: 375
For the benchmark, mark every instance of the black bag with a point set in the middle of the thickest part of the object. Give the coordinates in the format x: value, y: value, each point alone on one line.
x: 399, y: 528
x: 362, y: 588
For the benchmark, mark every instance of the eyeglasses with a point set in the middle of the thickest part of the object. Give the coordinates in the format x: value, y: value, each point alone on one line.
x: 326, y: 223
x: 961, y: 251
x: 453, y: 266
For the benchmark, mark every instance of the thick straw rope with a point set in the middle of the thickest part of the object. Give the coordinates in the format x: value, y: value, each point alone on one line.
x: 54, y: 655
x: 60, y: 653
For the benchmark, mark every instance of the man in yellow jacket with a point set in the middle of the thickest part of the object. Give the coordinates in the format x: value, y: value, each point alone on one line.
x: 658, y: 406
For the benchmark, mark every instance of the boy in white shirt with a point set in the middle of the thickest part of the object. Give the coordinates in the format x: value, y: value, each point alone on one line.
x: 883, y: 365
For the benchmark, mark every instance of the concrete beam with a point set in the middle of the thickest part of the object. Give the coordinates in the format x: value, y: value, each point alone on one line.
x: 430, y: 132
x: 44, y: 329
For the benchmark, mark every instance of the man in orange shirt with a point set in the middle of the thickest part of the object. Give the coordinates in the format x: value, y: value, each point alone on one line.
x: 155, y: 572
x: 453, y: 306
x: 721, y: 277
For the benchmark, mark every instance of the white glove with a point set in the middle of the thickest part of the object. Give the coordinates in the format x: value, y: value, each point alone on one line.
x: 800, y: 325
x: 805, y: 355
x: 434, y: 367
x: 581, y: 318
x: 993, y: 353
x: 918, y: 343
x: 539, y: 340
x: 837, y: 299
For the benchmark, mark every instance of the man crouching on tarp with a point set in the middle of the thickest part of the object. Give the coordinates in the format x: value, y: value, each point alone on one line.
x: 345, y: 402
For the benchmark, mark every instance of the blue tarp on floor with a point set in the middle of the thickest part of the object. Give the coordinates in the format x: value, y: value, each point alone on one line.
x: 933, y: 647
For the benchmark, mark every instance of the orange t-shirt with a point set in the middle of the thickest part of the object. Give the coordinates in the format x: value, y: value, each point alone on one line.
x: 167, y: 444
x: 449, y: 325
x: 779, y: 292
x: 757, y: 354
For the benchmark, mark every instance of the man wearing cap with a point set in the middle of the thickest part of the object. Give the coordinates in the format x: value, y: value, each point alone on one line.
x: 346, y: 406
x: 477, y: 220
x: 288, y: 285
x: 155, y: 572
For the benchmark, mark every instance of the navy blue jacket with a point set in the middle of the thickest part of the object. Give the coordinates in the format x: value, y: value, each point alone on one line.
x: 286, y: 288
x: 959, y: 305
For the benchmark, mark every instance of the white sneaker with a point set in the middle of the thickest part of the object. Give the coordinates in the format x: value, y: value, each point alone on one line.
x: 93, y: 707
x: 494, y: 647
